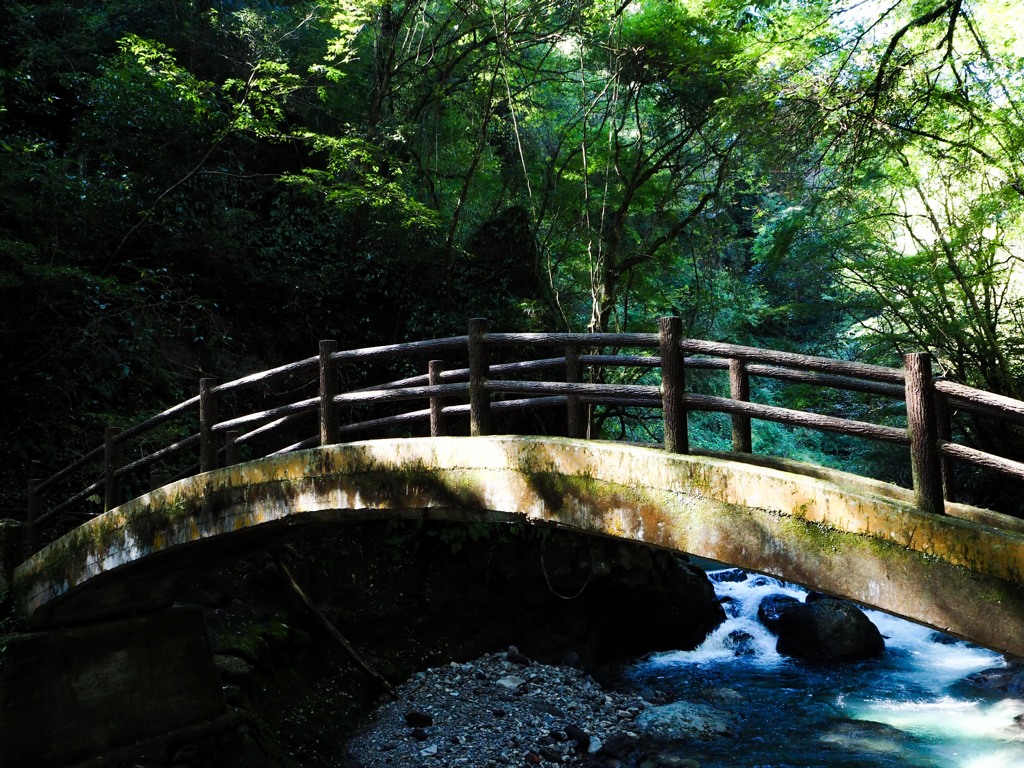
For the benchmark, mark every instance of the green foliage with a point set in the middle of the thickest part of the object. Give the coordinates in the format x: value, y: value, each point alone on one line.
x: 258, y: 102
x: 197, y: 187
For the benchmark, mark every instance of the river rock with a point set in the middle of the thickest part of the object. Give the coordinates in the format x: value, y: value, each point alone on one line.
x: 741, y: 643
x: 771, y: 608
x: 996, y: 681
x: 557, y: 715
x: 686, y: 720
x: 867, y: 738
x: 727, y: 575
x: 416, y: 719
x: 827, y: 630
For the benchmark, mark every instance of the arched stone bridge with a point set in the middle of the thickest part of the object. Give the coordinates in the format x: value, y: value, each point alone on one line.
x: 961, y: 572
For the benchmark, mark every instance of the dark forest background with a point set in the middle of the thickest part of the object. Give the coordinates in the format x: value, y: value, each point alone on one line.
x: 208, y: 188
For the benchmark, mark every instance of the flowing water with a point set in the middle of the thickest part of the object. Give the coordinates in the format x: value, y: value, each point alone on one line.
x: 910, y: 708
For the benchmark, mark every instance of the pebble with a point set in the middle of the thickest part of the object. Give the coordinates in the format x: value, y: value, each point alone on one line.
x: 542, y: 715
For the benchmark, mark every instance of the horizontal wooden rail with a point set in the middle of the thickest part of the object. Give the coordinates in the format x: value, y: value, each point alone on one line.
x: 159, y: 419
x: 621, y: 361
x: 796, y: 418
x: 268, y: 428
x: 406, y: 393
x: 980, y: 402
x: 577, y: 339
x: 188, y: 442
x: 302, y: 406
x: 831, y: 381
x: 462, y: 374
x: 477, y: 386
x: 92, y: 455
x: 264, y: 377
x: 564, y: 388
x: 451, y: 344
x: 982, y: 459
x: 83, y: 494
x: 794, y: 360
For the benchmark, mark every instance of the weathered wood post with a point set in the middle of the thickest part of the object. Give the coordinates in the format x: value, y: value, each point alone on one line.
x: 232, y: 455
x: 438, y: 423
x: 925, y: 462
x: 944, y: 430
x: 479, y: 399
x: 673, y: 385
x: 739, y: 389
x: 111, y: 463
x: 31, y: 513
x: 328, y: 391
x: 575, y: 422
x: 207, y: 418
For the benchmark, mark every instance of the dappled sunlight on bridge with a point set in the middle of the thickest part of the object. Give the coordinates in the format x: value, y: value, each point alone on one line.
x: 825, y: 530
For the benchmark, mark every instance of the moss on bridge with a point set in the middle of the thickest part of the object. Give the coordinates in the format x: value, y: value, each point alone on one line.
x: 859, y: 542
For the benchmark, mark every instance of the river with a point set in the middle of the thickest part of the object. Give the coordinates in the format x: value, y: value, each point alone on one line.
x: 909, y: 708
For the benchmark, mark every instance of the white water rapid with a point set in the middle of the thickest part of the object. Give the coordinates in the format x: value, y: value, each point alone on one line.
x: 910, y: 708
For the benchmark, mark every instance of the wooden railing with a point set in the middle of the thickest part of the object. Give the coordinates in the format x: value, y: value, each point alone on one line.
x: 312, y: 388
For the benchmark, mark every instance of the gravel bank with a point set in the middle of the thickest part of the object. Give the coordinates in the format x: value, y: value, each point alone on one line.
x: 499, y: 710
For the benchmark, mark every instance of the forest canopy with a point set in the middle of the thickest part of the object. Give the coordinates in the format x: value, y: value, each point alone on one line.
x: 198, y: 186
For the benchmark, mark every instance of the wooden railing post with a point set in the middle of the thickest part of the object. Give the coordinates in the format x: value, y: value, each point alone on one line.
x: 479, y: 399
x: 575, y: 423
x: 944, y: 430
x: 673, y: 385
x: 31, y: 513
x: 438, y: 423
x: 925, y: 462
x: 207, y: 418
x: 111, y: 463
x: 739, y: 389
x: 328, y: 391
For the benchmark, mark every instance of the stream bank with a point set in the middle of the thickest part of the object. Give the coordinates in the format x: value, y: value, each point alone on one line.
x: 409, y: 596
x: 413, y: 597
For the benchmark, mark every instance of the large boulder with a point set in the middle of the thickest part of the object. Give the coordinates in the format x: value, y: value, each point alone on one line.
x: 821, y: 629
x: 771, y: 609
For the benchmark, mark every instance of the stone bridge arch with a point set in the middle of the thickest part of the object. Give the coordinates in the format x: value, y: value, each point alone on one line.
x: 830, y: 531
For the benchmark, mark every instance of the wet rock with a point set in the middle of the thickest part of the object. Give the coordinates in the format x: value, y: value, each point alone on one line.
x: 621, y: 749
x: 549, y: 754
x: 577, y: 734
x: 517, y: 657
x: 996, y: 681
x: 669, y: 761
x: 771, y: 609
x: 511, y: 682
x: 827, y: 630
x: 416, y: 719
x: 728, y: 575
x: 554, y: 716
x: 684, y: 720
x: 867, y: 738
x: 941, y: 638
x: 741, y: 643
